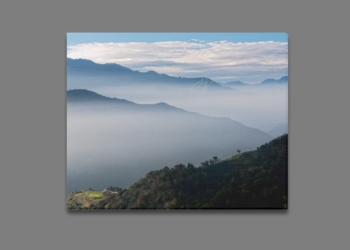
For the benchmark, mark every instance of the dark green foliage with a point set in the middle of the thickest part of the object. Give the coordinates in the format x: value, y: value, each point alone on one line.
x: 255, y: 179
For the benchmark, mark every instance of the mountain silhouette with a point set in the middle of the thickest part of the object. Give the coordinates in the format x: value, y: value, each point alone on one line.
x: 115, y: 74
x: 126, y: 140
x: 84, y: 95
x: 282, y: 80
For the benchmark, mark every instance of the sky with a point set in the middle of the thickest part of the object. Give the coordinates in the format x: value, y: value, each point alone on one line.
x: 222, y: 57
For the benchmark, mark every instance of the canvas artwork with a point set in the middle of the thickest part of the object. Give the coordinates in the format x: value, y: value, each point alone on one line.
x: 177, y: 121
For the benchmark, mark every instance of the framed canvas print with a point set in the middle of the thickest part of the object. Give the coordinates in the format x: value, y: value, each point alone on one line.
x: 177, y: 121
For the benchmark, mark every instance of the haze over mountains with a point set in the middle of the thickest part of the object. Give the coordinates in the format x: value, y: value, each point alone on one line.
x: 254, y: 179
x: 261, y: 106
x: 118, y: 75
x: 122, y: 123
x: 111, y: 141
x: 123, y: 75
x: 235, y: 84
x: 278, y: 130
x: 282, y: 80
x: 177, y: 121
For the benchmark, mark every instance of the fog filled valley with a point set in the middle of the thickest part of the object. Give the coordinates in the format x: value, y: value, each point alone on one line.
x: 258, y: 107
x: 114, y: 142
x: 263, y: 106
x: 120, y: 126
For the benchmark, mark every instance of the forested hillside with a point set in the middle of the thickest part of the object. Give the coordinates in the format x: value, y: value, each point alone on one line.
x: 255, y: 180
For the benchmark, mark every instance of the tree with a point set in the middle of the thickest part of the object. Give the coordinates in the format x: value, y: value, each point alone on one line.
x: 190, y: 167
x: 238, y: 151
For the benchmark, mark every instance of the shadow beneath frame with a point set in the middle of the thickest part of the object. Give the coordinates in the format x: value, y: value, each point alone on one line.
x: 194, y: 212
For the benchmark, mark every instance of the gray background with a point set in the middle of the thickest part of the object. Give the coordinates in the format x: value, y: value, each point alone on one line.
x: 33, y: 144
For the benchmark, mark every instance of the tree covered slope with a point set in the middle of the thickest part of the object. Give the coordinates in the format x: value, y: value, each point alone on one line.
x: 255, y: 180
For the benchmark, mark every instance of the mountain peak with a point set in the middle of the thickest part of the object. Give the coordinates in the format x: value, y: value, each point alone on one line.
x: 283, y: 79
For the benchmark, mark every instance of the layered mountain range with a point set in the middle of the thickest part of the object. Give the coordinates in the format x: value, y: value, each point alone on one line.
x: 125, y: 140
x: 111, y: 73
x: 120, y: 75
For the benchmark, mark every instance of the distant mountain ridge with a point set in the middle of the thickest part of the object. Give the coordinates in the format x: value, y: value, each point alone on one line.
x: 158, y: 134
x: 88, y: 97
x: 123, y: 75
x: 84, y: 95
x: 112, y: 74
x: 87, y: 68
x: 282, y: 80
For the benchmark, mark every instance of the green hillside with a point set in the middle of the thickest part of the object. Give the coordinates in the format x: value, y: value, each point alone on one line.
x: 256, y: 180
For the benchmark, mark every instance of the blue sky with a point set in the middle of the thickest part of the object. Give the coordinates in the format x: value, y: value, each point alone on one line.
x: 222, y: 57
x: 77, y: 38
